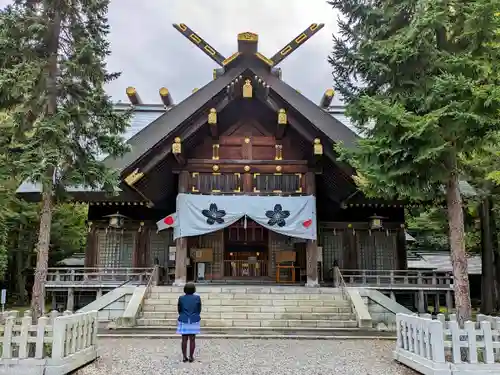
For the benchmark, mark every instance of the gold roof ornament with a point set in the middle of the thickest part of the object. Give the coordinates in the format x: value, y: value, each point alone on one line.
x: 282, y: 118
x: 318, y: 147
x: 212, y: 116
x: 248, y: 36
x: 177, y: 146
x: 248, y: 89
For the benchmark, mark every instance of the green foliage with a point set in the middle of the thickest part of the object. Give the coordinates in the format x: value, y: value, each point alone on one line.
x: 421, y: 83
x: 73, y: 140
x: 429, y: 226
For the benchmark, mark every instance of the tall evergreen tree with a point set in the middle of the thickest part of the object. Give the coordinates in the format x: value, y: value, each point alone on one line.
x: 52, y: 76
x: 420, y: 79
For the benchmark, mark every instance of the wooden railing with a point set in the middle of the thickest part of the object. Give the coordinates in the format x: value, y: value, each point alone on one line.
x: 87, y: 275
x: 398, y: 279
x: 245, y: 268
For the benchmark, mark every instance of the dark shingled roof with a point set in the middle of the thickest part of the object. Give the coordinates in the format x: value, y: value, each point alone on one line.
x: 160, y: 128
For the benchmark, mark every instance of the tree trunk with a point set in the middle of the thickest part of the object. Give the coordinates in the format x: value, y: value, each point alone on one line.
x: 487, y: 279
x: 42, y: 247
x: 42, y: 259
x: 457, y: 244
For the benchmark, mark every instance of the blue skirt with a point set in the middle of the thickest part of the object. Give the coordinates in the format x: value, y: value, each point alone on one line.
x: 188, y: 328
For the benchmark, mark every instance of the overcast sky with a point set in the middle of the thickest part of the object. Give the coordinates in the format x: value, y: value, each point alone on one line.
x: 150, y: 53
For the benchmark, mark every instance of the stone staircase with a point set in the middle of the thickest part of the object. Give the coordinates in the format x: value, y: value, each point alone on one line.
x: 258, y: 310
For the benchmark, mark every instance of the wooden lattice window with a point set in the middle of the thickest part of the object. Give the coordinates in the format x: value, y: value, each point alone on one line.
x: 277, y: 183
x: 216, y: 182
x: 115, y: 248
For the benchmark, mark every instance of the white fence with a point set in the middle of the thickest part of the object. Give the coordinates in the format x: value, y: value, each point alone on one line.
x: 57, y: 345
x: 437, y: 347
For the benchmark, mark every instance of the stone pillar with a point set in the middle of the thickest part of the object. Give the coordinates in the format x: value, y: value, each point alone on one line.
x: 70, y: 305
x: 437, y: 305
x: 181, y: 243
x: 421, y: 301
x: 311, y: 245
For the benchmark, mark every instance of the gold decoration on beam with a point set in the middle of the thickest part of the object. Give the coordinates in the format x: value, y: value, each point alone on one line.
x: 133, y: 177
x: 215, y: 151
x: 133, y: 96
x: 282, y: 118
x: 212, y: 116
x: 246, y: 168
x: 279, y: 152
x: 231, y: 58
x: 238, y: 178
x: 247, y: 140
x: 278, y: 168
x: 267, y: 60
x: 247, y: 89
x: 177, y: 146
x: 318, y: 147
x: 215, y: 168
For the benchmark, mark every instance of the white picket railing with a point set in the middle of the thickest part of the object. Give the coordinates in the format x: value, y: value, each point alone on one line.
x: 57, y: 345
x: 437, y: 347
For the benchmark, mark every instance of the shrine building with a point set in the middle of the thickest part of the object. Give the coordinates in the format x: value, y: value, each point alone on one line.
x: 239, y: 181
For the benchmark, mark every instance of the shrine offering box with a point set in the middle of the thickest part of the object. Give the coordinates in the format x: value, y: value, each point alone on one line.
x: 285, y: 256
x: 203, y: 255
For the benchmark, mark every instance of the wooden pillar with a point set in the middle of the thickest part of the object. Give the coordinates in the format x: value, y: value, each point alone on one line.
x: 247, y: 181
x: 91, y: 246
x: 311, y: 245
x: 141, y: 254
x: 181, y: 243
x: 401, y: 261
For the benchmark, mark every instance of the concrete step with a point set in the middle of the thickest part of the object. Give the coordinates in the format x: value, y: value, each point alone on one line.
x: 255, y: 296
x: 345, y: 309
x: 204, y: 289
x: 244, y: 323
x: 163, y: 332
x: 255, y: 303
x: 254, y: 316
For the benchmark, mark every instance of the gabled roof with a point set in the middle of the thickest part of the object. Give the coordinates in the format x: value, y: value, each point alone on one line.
x: 165, y: 125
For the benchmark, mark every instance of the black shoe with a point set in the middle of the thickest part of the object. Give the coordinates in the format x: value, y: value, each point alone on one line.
x: 191, y: 359
x: 185, y: 360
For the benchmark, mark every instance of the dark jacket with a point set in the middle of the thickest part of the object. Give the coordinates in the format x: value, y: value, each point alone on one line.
x: 189, y: 308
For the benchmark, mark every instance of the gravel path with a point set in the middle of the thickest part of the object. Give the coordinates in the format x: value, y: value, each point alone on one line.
x: 246, y: 357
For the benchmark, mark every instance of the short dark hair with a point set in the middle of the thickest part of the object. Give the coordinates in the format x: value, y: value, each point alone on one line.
x: 189, y: 288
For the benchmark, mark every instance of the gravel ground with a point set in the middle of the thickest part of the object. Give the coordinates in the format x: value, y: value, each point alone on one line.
x: 245, y: 357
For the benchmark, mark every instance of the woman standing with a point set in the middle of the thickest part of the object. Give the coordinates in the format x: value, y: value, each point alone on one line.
x: 188, y: 324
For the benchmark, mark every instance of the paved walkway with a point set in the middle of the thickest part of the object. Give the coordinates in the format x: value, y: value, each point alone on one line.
x: 246, y: 357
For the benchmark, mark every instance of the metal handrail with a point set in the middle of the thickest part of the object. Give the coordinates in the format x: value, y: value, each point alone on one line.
x: 147, y: 293
x: 341, y: 282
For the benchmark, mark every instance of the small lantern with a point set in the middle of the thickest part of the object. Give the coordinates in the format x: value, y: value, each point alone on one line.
x: 116, y: 220
x: 376, y: 222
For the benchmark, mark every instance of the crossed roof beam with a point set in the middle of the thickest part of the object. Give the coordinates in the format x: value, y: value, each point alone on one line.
x: 222, y: 61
